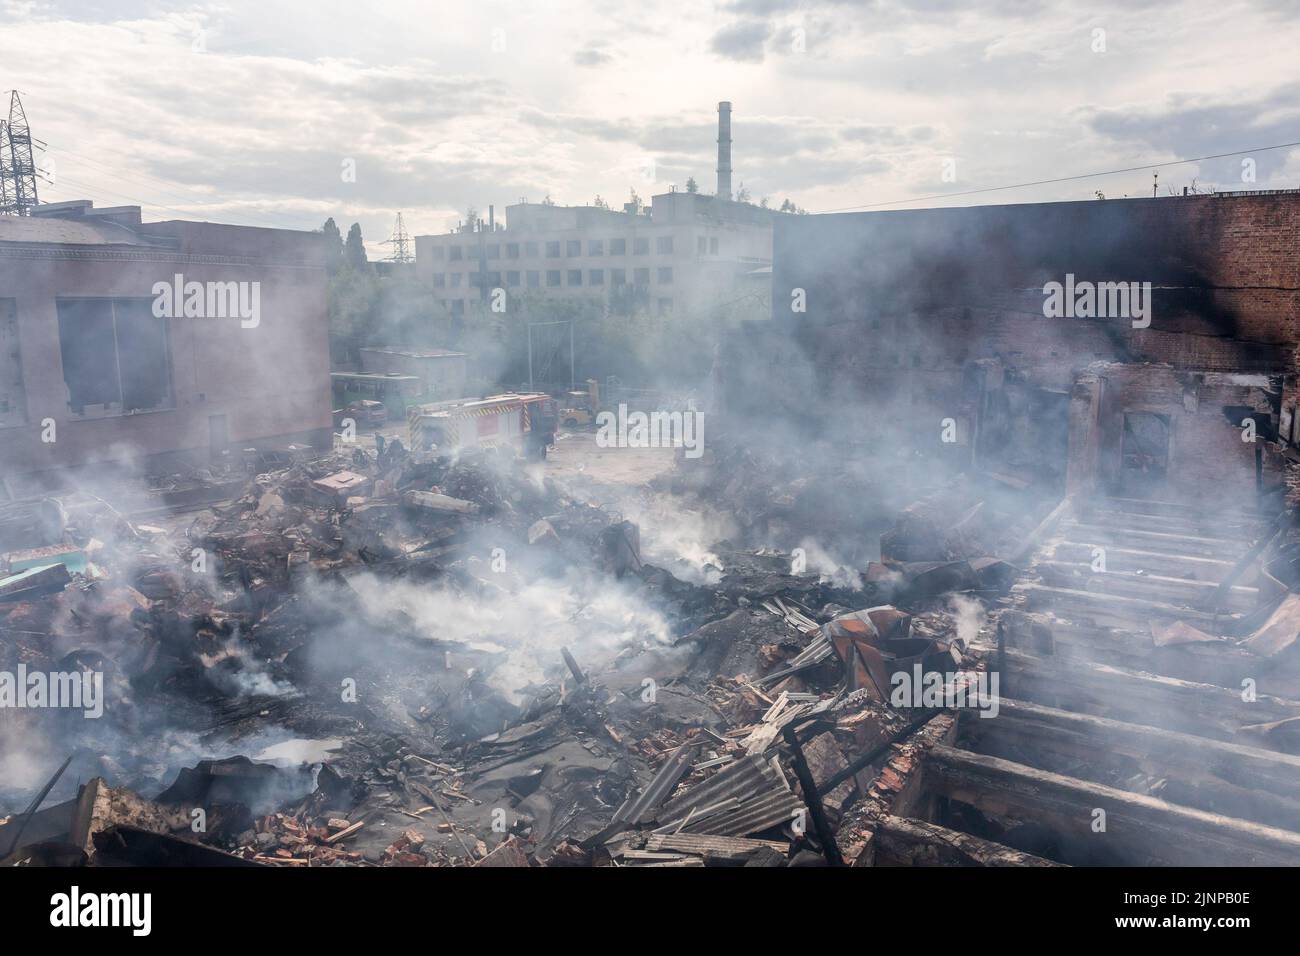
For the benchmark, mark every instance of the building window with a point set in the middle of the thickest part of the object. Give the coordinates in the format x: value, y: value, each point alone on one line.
x: 575, y: 277
x: 457, y: 306
x: 666, y: 275
x: 439, y: 280
x: 573, y: 248
x: 530, y: 250
x: 618, y: 247
x: 512, y: 250
x: 664, y: 245
x: 115, y: 355
x: 595, y: 277
x: 552, y: 277
x: 453, y: 252
x: 494, y: 279
x: 553, y: 250
x: 702, y: 245
x: 641, y: 276
x: 455, y: 279
x: 439, y: 252
x: 512, y: 278
x: 533, y: 278
x: 640, y: 247
x: 665, y: 306
x: 595, y: 247
x: 713, y: 245
x: 494, y: 250
x: 13, y: 398
x: 617, y: 276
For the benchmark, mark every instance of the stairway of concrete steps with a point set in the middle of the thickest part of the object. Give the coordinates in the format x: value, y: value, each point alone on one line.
x: 1099, y: 714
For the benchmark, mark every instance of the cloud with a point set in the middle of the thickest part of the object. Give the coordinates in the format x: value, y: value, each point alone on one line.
x: 592, y: 57
x: 742, y: 41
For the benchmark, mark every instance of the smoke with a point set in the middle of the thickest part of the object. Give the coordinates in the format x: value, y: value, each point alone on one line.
x: 595, y: 618
x: 832, y: 570
x: 680, y: 535
x: 970, y: 617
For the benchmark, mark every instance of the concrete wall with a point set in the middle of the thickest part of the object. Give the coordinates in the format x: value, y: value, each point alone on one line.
x: 743, y: 237
x: 441, y: 376
x: 269, y: 383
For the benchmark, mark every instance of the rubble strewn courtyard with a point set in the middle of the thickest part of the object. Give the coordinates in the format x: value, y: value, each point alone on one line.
x: 379, y: 658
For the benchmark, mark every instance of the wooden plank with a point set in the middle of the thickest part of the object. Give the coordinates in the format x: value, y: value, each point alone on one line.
x: 1080, y: 576
x: 900, y: 841
x: 1218, y: 776
x: 1150, y: 562
x: 724, y: 848
x: 1161, y: 541
x: 1138, y: 830
x: 1114, y: 610
x: 1222, y: 662
x: 1202, y: 709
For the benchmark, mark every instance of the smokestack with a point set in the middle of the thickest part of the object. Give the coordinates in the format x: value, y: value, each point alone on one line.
x: 724, y: 149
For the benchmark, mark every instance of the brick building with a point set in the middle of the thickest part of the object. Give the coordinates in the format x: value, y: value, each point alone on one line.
x: 930, y: 316
x: 116, y: 371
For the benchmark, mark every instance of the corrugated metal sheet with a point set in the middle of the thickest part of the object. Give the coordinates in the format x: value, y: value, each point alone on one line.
x: 641, y: 808
x: 750, y: 816
x: 740, y: 781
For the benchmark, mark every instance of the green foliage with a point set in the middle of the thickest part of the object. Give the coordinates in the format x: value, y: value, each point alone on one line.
x: 354, y: 250
x: 333, y: 245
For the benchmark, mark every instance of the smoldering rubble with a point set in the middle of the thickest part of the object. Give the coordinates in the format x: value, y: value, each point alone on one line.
x: 379, y: 659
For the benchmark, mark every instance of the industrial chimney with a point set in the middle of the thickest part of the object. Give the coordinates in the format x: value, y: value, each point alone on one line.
x: 724, y: 149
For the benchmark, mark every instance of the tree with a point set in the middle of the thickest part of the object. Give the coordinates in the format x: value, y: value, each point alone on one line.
x: 354, y: 251
x: 599, y: 203
x: 692, y: 186
x: 635, y: 201
x: 333, y: 245
x: 742, y: 194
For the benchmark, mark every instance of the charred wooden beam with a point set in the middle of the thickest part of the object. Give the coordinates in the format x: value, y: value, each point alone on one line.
x: 1211, y: 775
x: 1222, y: 662
x: 1094, y: 821
x: 902, y: 842
x: 1120, y: 694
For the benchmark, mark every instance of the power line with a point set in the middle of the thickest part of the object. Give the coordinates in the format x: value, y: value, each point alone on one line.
x: 1063, y: 179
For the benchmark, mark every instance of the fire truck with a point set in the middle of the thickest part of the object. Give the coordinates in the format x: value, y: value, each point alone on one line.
x: 523, y: 421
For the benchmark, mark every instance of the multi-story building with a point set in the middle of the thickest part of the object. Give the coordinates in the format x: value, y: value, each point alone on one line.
x: 144, y: 345
x: 686, y: 252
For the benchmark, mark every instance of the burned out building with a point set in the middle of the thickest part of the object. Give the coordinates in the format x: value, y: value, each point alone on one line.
x: 152, y: 344
x: 950, y: 315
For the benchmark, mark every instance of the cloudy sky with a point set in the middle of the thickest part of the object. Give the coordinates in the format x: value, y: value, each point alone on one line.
x: 248, y: 112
